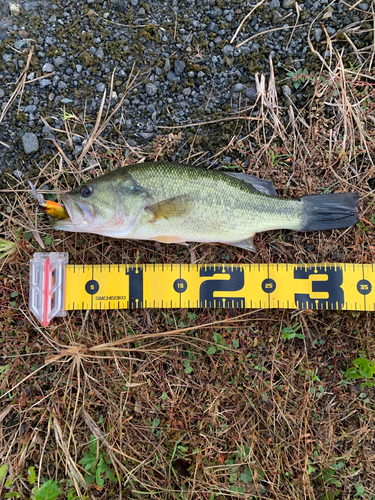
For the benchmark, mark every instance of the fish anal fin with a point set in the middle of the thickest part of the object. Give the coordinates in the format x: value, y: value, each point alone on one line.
x: 172, y: 207
x: 261, y: 185
x: 247, y: 244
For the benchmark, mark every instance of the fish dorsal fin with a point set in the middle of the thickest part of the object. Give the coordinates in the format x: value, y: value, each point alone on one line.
x: 172, y: 207
x: 260, y: 185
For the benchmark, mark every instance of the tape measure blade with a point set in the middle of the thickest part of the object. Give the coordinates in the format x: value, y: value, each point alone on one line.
x: 306, y: 286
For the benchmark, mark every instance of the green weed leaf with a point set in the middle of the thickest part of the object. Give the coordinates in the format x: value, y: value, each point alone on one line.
x: 211, y: 350
x: 31, y: 475
x: 247, y: 476
x: 48, y: 491
x: 3, y: 471
x: 352, y: 373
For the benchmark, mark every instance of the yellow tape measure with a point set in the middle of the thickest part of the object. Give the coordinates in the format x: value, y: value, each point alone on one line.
x: 307, y: 286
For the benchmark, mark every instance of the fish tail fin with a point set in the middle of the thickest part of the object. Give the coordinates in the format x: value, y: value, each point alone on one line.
x: 329, y: 211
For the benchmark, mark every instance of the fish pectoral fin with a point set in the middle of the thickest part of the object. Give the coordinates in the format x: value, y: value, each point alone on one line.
x: 247, y: 244
x: 170, y: 239
x: 172, y: 207
x: 260, y: 185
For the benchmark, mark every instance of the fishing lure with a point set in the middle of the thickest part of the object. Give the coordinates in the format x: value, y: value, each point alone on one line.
x: 51, y: 208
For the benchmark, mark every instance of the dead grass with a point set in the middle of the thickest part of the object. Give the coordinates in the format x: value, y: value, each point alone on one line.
x: 260, y: 416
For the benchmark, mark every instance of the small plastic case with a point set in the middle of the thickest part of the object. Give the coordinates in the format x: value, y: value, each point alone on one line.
x: 47, y: 285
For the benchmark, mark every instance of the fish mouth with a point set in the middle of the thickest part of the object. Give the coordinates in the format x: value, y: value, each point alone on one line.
x: 79, y: 212
x: 80, y: 215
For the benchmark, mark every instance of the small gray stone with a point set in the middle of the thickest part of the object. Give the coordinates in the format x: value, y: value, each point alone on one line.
x: 7, y: 57
x: 44, y: 82
x: 287, y: 90
x: 288, y: 4
x: 179, y: 67
x: 100, y: 53
x: 100, y: 87
x: 48, y: 68
x: 215, y: 12
x: 30, y: 108
x: 158, y: 71
x: 201, y: 74
x: 30, y: 143
x: 363, y: 6
x: 19, y: 44
x: 318, y: 32
x: 97, y: 39
x: 134, y: 2
x: 30, y: 76
x: 171, y: 76
x: 147, y: 136
x: 276, y: 17
x: 251, y: 93
x: 62, y: 85
x: 186, y: 91
x: 274, y: 4
x: 58, y: 60
x: 212, y: 27
x: 18, y: 173
x: 227, y: 50
x: 167, y: 65
x: 151, y: 89
x: 30, y: 6
x: 238, y: 87
x: 78, y: 68
x: 65, y: 100
x: 2, y: 93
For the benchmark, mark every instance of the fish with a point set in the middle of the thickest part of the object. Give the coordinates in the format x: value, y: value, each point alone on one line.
x: 178, y: 203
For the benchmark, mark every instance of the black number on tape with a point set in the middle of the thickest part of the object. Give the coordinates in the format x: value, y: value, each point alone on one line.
x: 332, y: 286
x: 235, y: 283
x: 135, y: 286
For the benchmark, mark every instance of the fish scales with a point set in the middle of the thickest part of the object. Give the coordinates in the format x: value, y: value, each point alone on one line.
x: 223, y: 207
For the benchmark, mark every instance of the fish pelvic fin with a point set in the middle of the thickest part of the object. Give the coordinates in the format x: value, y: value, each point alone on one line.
x: 247, y: 244
x: 329, y: 211
x: 172, y: 207
x: 260, y: 185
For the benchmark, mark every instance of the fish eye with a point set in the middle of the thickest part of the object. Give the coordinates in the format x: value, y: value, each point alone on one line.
x: 85, y: 191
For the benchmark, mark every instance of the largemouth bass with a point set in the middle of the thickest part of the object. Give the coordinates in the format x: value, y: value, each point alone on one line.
x: 174, y: 203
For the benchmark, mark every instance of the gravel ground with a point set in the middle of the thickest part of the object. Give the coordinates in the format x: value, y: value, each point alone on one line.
x: 192, y: 70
